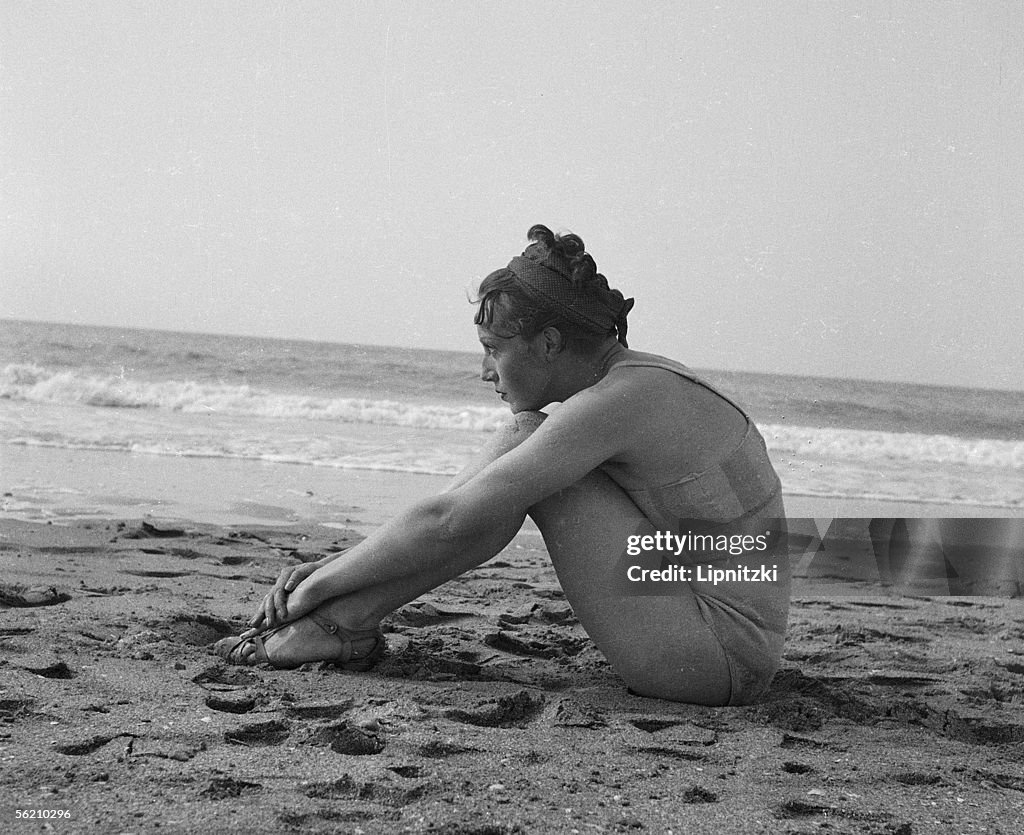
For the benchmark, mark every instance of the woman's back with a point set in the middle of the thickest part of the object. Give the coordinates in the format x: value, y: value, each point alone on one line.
x: 696, y: 454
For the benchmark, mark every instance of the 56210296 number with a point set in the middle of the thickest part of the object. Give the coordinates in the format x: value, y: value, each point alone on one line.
x: 42, y: 813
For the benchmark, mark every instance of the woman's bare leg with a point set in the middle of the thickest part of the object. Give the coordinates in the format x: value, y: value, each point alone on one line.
x: 658, y: 642
x: 369, y: 605
x: 303, y: 640
x: 585, y: 528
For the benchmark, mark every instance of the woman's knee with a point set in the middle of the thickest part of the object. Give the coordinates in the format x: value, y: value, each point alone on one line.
x: 521, y: 427
x: 527, y: 421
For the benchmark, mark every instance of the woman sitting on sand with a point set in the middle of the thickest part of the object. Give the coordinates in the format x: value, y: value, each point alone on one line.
x: 639, y: 451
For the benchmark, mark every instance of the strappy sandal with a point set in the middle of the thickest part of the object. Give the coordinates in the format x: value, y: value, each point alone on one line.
x: 228, y: 648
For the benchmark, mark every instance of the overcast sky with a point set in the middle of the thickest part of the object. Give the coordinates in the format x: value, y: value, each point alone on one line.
x: 798, y: 187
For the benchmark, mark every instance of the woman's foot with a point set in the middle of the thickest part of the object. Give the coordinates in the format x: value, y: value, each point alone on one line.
x: 308, y: 639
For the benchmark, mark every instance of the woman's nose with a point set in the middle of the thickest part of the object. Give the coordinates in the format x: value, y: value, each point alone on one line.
x: 487, y: 373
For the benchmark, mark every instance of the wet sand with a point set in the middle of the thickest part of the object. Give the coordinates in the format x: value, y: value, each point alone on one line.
x: 491, y: 713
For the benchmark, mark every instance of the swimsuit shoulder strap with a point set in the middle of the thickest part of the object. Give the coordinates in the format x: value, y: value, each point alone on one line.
x: 682, y: 371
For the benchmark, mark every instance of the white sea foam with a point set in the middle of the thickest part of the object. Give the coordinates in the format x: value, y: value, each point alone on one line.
x: 31, y: 383
x: 869, y: 445
x: 34, y: 384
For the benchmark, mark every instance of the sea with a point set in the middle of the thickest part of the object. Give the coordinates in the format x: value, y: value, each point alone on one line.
x: 323, y: 404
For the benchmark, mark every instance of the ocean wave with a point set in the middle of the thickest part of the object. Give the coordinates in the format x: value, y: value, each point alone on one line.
x: 32, y: 383
x: 866, y: 445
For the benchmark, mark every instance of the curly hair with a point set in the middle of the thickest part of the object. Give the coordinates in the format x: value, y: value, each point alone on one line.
x: 506, y: 301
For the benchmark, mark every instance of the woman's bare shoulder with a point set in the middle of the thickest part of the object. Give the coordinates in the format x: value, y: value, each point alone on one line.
x: 624, y: 395
x: 640, y: 370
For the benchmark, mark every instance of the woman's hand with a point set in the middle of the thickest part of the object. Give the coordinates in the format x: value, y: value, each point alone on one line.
x: 273, y: 611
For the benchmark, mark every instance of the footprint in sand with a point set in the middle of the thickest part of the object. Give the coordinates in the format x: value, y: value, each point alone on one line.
x: 796, y: 809
x: 222, y: 788
x: 194, y: 630
x: 231, y: 703
x: 346, y: 738
x: 82, y: 747
x: 154, y: 572
x: 507, y: 642
x: 570, y: 713
x: 18, y: 597
x: 45, y: 667
x: 427, y: 614
x: 513, y: 711
x: 409, y: 772
x: 674, y: 738
x: 552, y: 613
x: 699, y: 794
x: 442, y: 749
x: 260, y: 734
x: 666, y: 752
x: 224, y: 677
x: 377, y: 791
x: 8, y: 633
x: 11, y: 710
x: 148, y: 531
x: 425, y: 660
x: 1004, y: 781
x: 652, y: 724
x: 792, y: 767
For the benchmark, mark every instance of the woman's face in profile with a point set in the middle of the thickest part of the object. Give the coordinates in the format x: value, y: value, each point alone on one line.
x: 515, y: 368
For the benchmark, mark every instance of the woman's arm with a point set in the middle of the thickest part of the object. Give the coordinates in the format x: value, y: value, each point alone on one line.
x: 450, y: 533
x: 421, y: 539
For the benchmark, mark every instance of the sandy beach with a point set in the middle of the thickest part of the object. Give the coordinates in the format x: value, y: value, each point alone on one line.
x: 272, y: 272
x: 491, y: 713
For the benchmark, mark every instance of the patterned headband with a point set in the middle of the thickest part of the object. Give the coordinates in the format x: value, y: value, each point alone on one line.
x: 545, y: 276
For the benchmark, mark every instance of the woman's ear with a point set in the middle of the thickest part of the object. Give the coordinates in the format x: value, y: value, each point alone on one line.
x: 553, y: 343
